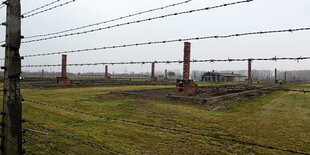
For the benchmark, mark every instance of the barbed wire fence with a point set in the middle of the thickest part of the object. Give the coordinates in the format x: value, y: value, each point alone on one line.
x: 297, y: 59
x: 108, y: 21
x: 123, y: 24
x: 136, y: 21
x: 165, y: 42
x: 13, y: 144
x: 39, y: 8
x: 11, y: 137
x: 46, y: 10
x: 145, y: 75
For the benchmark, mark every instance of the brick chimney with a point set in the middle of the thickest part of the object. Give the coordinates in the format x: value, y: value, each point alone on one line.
x: 187, y: 58
x: 63, y: 80
x: 186, y: 86
x: 275, y: 76
x: 106, y: 73
x: 153, y: 71
x: 153, y: 78
x: 64, y: 66
x: 166, y: 75
x: 250, y: 80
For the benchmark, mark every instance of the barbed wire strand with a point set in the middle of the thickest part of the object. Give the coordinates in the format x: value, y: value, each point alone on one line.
x: 165, y: 128
x: 167, y: 41
x: 49, y: 9
x: 108, y: 21
x: 41, y: 7
x: 298, y: 59
x: 136, y: 21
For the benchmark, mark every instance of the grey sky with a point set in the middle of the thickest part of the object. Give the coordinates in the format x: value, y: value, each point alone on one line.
x: 258, y: 15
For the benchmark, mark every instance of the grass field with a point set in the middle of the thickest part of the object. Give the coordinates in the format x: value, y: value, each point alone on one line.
x: 280, y: 120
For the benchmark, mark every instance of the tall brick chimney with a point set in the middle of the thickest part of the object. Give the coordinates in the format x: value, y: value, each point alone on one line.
x: 187, y: 58
x: 186, y: 86
x: 153, y: 71
x: 285, y: 77
x: 64, y: 66
x: 106, y: 73
x: 250, y: 80
x: 63, y: 80
x: 276, y: 76
x: 166, y: 75
x: 42, y: 74
x: 153, y: 78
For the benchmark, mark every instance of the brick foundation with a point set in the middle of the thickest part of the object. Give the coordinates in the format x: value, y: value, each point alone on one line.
x: 186, y: 87
x: 63, y: 81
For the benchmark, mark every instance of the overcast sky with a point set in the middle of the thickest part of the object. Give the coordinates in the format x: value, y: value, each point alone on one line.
x: 258, y: 15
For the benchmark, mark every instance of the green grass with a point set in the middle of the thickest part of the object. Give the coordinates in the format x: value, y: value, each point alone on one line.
x: 279, y: 119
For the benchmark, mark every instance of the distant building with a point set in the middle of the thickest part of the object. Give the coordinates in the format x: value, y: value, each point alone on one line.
x: 222, y: 77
